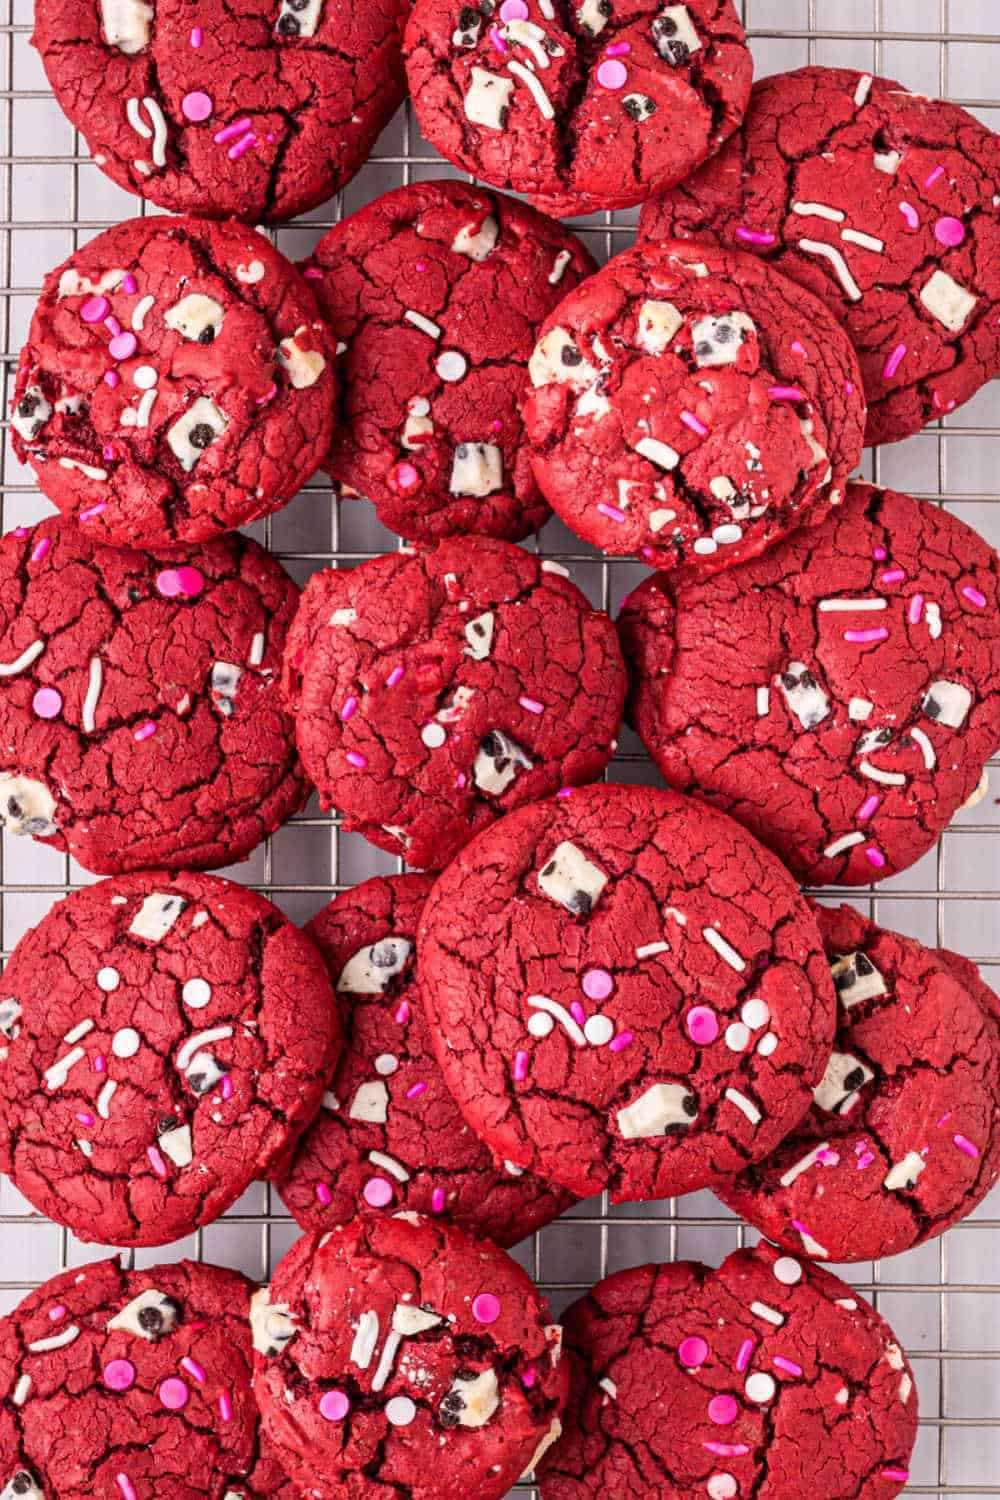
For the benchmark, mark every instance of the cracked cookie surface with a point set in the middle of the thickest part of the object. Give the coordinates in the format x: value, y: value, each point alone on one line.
x: 435, y: 294
x: 259, y: 110
x: 177, y: 382
x: 165, y: 1039
x: 840, y: 695
x: 689, y: 404
x: 141, y: 718
x: 389, y: 1134
x: 903, y: 1139
x: 134, y: 1384
x: 625, y: 991
x: 435, y: 690
x: 579, y: 106
x: 881, y: 202
x: 778, y: 1381
x: 398, y: 1357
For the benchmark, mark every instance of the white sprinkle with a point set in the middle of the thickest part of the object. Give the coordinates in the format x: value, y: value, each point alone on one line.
x: 737, y: 1037
x: 608, y: 1385
x: 56, y: 1076
x: 86, y: 1148
x: 108, y: 980
x: 389, y: 1164
x: 542, y: 1002
x: 728, y: 534
x: 658, y: 453
x: 847, y: 1302
x: 863, y: 89
x: 926, y: 748
x: 30, y: 654
x: 755, y: 1014
x: 56, y: 1341
x: 196, y: 993
x: 21, y: 1390
x: 760, y: 1388
x: 384, y: 1367
x: 599, y: 1030
x: 159, y: 132
x: 704, y: 546
x: 93, y: 694
x: 818, y: 211
x: 767, y: 1044
x: 558, y: 271
x: 451, y: 366
x: 400, y: 1411
x: 838, y: 846
x: 725, y: 950
x: 763, y: 701
x: 744, y: 1105
x: 433, y: 736
x: 769, y: 1314
x: 78, y: 1031
x: 144, y: 377
x: 648, y: 950
x: 365, y: 1340
x: 257, y: 650
x: 866, y: 241
x: 844, y: 606
x: 554, y: 567
x: 804, y: 1163
x: 787, y: 1270
x: 126, y: 1043
x: 200, y: 1039
x: 885, y: 778
x: 859, y: 709
x: 833, y: 255
x: 139, y: 312
x: 386, y: 1064
x: 540, y: 1024
x: 105, y: 1097
x: 539, y: 95
x: 424, y: 324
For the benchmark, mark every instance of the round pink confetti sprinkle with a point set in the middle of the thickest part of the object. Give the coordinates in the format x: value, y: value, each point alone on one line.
x: 597, y: 984
x: 354, y: 758
x: 611, y: 511
x: 974, y: 597
x: 692, y: 1353
x: 880, y: 554
x: 144, y: 731
x: 348, y: 707
x: 59, y: 1311
x: 377, y: 1192
x: 406, y: 476
x: 949, y: 231
x: 894, y: 575
x: 690, y: 420
x: 788, y: 1365
x: 513, y: 10
x: 875, y: 857
x: 394, y: 676
x: 168, y: 584
x: 41, y: 549
x: 612, y: 74
x: 437, y: 1201
x: 755, y: 237
x: 619, y: 49
x: 621, y: 1041
x: 910, y: 215
x: 520, y: 1066
x: 532, y: 705
x: 119, y: 1374
x: 529, y: 1376
x: 191, y: 580
x: 129, y: 285
x: 84, y: 1119
x: 225, y: 1407
x: 416, y: 1091
x: 460, y: 781
x: 894, y: 361
x: 723, y: 1410
x: 112, y: 378
x: 497, y: 425
x: 334, y: 1406
x: 486, y: 1308
x: 173, y: 1393
x: 123, y: 346
x: 193, y: 1368
x: 108, y: 452
x: 868, y: 806
x: 323, y: 1194
x: 578, y: 1013
x: 863, y: 637
x: 196, y: 37
x: 745, y: 1355
x: 702, y: 1025
x: 965, y: 1145
x: 849, y: 387
x: 126, y: 1486
x: 196, y: 106
x: 156, y: 1161
x: 47, y: 703
x: 95, y: 309
x: 421, y: 265
x: 403, y: 1013
x: 916, y: 609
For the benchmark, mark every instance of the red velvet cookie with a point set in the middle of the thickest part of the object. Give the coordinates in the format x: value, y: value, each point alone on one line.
x: 903, y: 1139
x: 260, y: 111
x: 436, y: 690
x: 389, y: 1134
x: 119, y: 1385
x: 690, y: 404
x: 141, y: 721
x: 882, y: 203
x: 165, y: 1040
x: 581, y: 106
x: 839, y: 696
x: 177, y: 382
x: 777, y: 1382
x: 436, y: 293
x: 625, y: 991
x: 399, y: 1357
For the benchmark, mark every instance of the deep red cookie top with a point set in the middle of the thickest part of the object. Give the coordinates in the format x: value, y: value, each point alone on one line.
x: 260, y: 111
x: 903, y: 1139
x: 118, y: 1384
x: 389, y: 1134
x: 579, y: 106
x: 435, y: 690
x: 778, y: 1381
x: 166, y: 1038
x: 883, y: 203
x: 177, y: 382
x: 690, y: 404
x: 435, y: 294
x: 625, y: 991
x: 840, y: 695
x: 141, y: 720
x: 400, y: 1356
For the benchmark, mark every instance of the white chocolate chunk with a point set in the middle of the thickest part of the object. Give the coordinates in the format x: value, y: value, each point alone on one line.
x: 27, y: 806
x: 156, y: 916
x: 150, y: 1316
x: 572, y: 880
x: 948, y: 302
x: 479, y: 634
x: 477, y: 469
x: 498, y: 760
x: 31, y: 413
x: 195, y: 317
x: 298, y: 17
x: 855, y: 978
x: 593, y: 15
x: 718, y: 338
x: 660, y: 454
x: 176, y: 1143
x: 675, y: 35
x: 837, y: 1090
x: 127, y: 24
x: 557, y: 358
x: 371, y: 1103
x: 408, y: 1320
x: 471, y: 1403
x: 803, y: 694
x: 370, y: 970
x: 488, y: 99
x: 270, y: 1323
x: 904, y: 1174
x: 304, y: 366
x: 225, y: 682
x: 22, y: 1485
x: 947, y: 703
x: 658, y: 324
x: 477, y: 242
x: 194, y: 430
x: 662, y: 1109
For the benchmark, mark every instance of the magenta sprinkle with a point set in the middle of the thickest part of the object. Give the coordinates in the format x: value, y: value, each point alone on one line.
x: 173, y: 1393
x: 621, y: 1041
x: 862, y: 637
x: 119, y: 1374
x: 268, y: 395
x: 726, y: 1450
x: 193, y: 1368
x: 865, y: 1161
x: 313, y: 273
x: 108, y: 451
x: 910, y: 215
x: 565, y: 791
x: 59, y: 1311
x: 95, y: 309
x: 788, y: 1365
x: 964, y: 1144
x: 156, y: 1161
x: 403, y: 1013
x: 95, y: 510
x: 690, y: 420
x: 520, y: 1066
x: 745, y: 1355
x: 196, y: 37
x: 875, y: 857
x: 932, y: 179
x: 129, y: 285
x: 702, y: 1025
x: 228, y: 131
x: 498, y: 42
x: 529, y: 1375
x: 578, y: 1013
x: 916, y: 609
x: 126, y: 1486
x: 949, y: 231
x: 226, y: 1087
x: 974, y: 596
x: 497, y: 425
x: 191, y: 581
x: 486, y: 1308
x: 894, y: 361
x: 894, y: 575
x: 460, y: 781
x: 196, y: 106
x: 785, y: 393
x: 849, y: 387
x: 880, y: 554
x: 869, y: 806
x: 394, y: 676
x: 901, y: 1474
x: 112, y: 378
x: 144, y: 731
x: 692, y: 1352
x: 84, y: 1119
x: 416, y: 1091
x: 407, y: 476
x: 323, y: 1194
x: 532, y: 705
x: 437, y: 1201
x: 100, y: 1063
x: 723, y: 1410
x: 611, y: 511
x: 618, y: 49
x: 355, y: 758
x: 225, y: 1407
x: 41, y: 549
x: 755, y: 237
x: 243, y: 145
x: 348, y: 707
x: 799, y: 348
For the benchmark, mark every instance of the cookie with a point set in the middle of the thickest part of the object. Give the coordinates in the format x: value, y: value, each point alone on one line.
x: 260, y: 112
x: 177, y: 382
x: 435, y: 294
x: 389, y: 1134
x: 435, y: 690
x: 141, y: 717
x: 398, y: 1356
x: 903, y: 1139
x: 574, y: 105
x: 779, y: 1381
x: 839, y: 696
x: 882, y: 203
x: 165, y: 1040
x: 625, y: 992
x: 118, y: 1383
x: 690, y: 404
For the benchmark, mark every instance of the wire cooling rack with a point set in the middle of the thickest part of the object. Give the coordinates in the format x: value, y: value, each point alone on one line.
x: 944, y: 1298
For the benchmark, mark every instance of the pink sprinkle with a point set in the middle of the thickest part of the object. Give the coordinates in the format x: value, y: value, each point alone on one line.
x: 702, y: 1025
x: 41, y: 549
x: 875, y: 857
x: 932, y: 179
x: 532, y: 705
x: 744, y: 1356
x: 437, y: 1201
x: 95, y: 310
x: 498, y: 42
x: 788, y: 1365
x: 460, y: 781
x: 268, y: 395
x: 193, y: 1368
x: 726, y: 1450
x: 514, y: 10
x: 226, y: 1087
x: 377, y: 1192
x: 755, y: 237
x: 849, y: 387
x: 173, y: 1393
x: 618, y: 49
x: 965, y: 1145
x: 974, y: 596
x: 520, y: 1066
x: 406, y: 476
x: 565, y: 791
x: 862, y: 637
x: 894, y: 575
x: 486, y: 1308
x: 126, y: 1486
x: 690, y: 420
x: 869, y: 806
x: 108, y: 451
x: 894, y: 361
x: 900, y: 1474
x: 785, y: 393
x: 827, y: 1158
x: 156, y: 1161
x: 944, y: 1119
x: 119, y: 1374
x: 910, y: 215
x: 84, y: 1119
x: 880, y: 554
x: 723, y: 1410
x: 123, y: 345
x: 348, y: 707
x: 416, y: 1091
x: 112, y: 324
x: 865, y: 1161
x: 612, y: 74
x: 497, y: 425
x: 47, y: 703
x: 228, y: 131
x: 191, y: 581
x: 144, y: 731
x: 529, y: 1375
x: 196, y: 106
x: 94, y: 510
x: 611, y: 511
x: 578, y: 1013
x: 355, y: 758
x: 196, y: 36
x: 112, y: 378
x: 403, y: 1013
x: 597, y: 984
x: 20, y: 532
x: 100, y: 1063
x: 244, y: 144
x: 225, y: 1407
x: 394, y: 676
x: 799, y: 348
x: 692, y: 1352
x: 916, y: 609
x: 323, y: 1194
x: 621, y: 1041
x: 949, y: 231
x: 334, y: 1406
x: 313, y: 273
x: 421, y: 265
x: 59, y: 1311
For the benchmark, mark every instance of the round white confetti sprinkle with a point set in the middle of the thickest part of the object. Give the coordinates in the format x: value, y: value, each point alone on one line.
x: 433, y: 736
x: 599, y: 1030
x: 125, y: 1043
x: 727, y: 534
x: 759, y: 1387
x: 787, y: 1270
x: 767, y: 1044
x: 451, y: 366
x: 145, y: 377
x: 419, y: 407
x: 540, y: 1024
x: 400, y: 1411
x: 737, y: 1037
x: 108, y: 980
x: 196, y: 993
x: 704, y: 546
x: 386, y: 1064
x: 722, y: 1487
x: 756, y: 1014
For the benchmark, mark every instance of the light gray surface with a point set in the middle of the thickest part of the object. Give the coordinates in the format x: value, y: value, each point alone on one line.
x: 943, y: 1299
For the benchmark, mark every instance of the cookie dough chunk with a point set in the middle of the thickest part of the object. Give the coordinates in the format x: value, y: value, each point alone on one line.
x: 165, y: 1040
x: 260, y: 111
x: 625, y: 991
x: 141, y: 720
x: 132, y: 1383
x: 903, y: 1139
x: 435, y: 294
x: 690, y: 404
x: 389, y: 1134
x: 177, y: 382
x: 839, y: 696
x: 884, y: 204
x: 581, y: 106
x: 398, y: 1356
x: 779, y: 1381
x: 435, y: 691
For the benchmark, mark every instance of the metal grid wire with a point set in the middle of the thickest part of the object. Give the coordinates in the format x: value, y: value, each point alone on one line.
x: 944, y: 1298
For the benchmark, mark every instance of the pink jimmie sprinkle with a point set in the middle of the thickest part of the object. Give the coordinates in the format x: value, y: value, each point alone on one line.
x: 460, y: 781
x: 894, y: 575
x: 94, y: 510
x: 932, y: 179
x: 100, y: 1063
x: 916, y: 609
x: 565, y: 791
x: 196, y: 37
x: 690, y: 420
x: 578, y: 1013
x: 862, y: 637
x: 59, y: 1311
x: 126, y: 1486
x: 944, y: 1119
x: 894, y: 361
x: 865, y: 1161
x: 785, y: 393
x: 788, y: 1365
x: 241, y: 146
x: 621, y: 1041
x: 403, y: 1013
x: 228, y: 131
x: 41, y: 549
x: 901, y: 1474
x: 745, y: 1355
x: 144, y: 731
x: 875, y: 857
x: 348, y: 707
x: 726, y: 1450
x: 974, y: 596
x: 869, y: 806
x: 611, y: 511
x: 910, y: 215
x: 193, y: 1368
x: 313, y: 273
x: 226, y: 1087
x: 355, y: 758
x: 323, y: 1194
x: 618, y: 49
x: 965, y: 1145
x: 437, y: 1201
x: 225, y: 1407
x: 497, y: 40
x: 84, y: 1119
x: 520, y: 1066
x: 394, y: 676
x: 848, y: 387
x: 880, y: 554
x: 156, y: 1161
x: 532, y: 705
x: 130, y: 285
x: 755, y: 237
x: 416, y: 1091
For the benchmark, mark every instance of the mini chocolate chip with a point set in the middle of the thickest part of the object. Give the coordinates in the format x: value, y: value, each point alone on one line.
x: 864, y: 965
x: 688, y: 1106
x: 287, y: 25
x: 201, y: 434
x: 571, y: 355
x: 27, y: 405
x: 855, y: 1078
x: 169, y: 1122
x: 151, y: 1319
x: 207, y: 334
x: 582, y: 903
